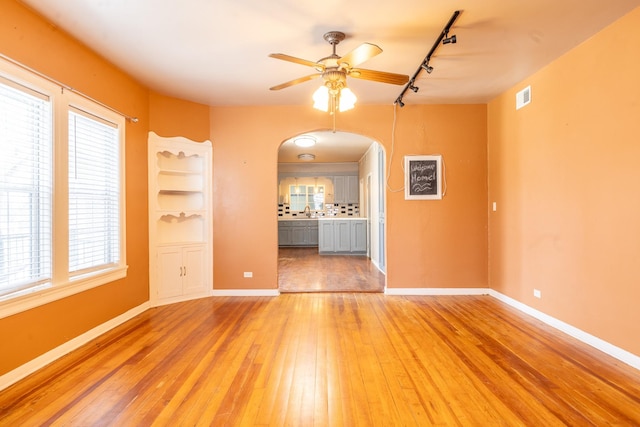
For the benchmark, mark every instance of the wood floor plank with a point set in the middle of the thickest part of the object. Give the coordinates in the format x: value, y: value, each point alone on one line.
x: 343, y: 359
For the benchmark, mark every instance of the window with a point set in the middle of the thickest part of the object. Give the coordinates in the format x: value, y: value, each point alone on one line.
x: 301, y: 196
x: 94, y: 204
x: 61, y: 174
x: 25, y: 187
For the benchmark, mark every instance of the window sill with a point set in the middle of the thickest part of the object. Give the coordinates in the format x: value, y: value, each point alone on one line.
x: 30, y: 298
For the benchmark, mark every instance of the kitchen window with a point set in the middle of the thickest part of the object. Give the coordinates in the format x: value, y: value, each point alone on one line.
x: 61, y: 174
x: 301, y: 196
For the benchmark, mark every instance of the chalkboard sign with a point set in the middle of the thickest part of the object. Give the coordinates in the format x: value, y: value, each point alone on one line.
x: 423, y: 177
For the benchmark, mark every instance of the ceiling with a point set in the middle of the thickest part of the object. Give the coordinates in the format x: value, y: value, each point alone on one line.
x: 215, y: 52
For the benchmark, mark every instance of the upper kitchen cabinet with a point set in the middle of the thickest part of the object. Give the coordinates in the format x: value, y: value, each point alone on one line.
x: 345, y: 189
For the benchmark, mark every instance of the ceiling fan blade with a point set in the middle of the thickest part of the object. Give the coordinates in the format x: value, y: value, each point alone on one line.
x: 296, y: 60
x: 379, y: 76
x: 295, y: 82
x: 360, y: 54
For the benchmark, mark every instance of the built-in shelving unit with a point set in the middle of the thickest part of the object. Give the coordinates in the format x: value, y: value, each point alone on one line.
x: 180, y: 234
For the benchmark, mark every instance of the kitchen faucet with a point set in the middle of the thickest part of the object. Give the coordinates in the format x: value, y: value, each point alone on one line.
x: 307, y: 211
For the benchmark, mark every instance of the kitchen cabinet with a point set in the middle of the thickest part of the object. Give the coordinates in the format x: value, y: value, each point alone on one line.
x: 180, y: 234
x: 345, y: 189
x: 346, y: 236
x: 298, y: 232
x: 358, y: 241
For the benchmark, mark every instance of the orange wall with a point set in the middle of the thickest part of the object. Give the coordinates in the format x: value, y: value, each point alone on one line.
x: 27, y: 38
x: 564, y: 173
x: 429, y: 243
x: 175, y: 117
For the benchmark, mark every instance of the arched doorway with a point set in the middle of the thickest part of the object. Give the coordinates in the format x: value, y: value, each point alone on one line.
x: 331, y: 214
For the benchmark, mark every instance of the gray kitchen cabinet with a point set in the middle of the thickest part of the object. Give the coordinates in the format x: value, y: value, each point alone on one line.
x: 284, y: 233
x: 343, y: 236
x: 326, y: 236
x: 298, y: 232
x: 358, y: 230
x: 313, y: 233
x: 345, y: 189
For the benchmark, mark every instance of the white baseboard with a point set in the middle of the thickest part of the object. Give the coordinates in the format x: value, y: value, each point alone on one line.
x: 595, y: 342
x: 436, y: 291
x: 30, y: 367
x: 41, y: 361
x: 246, y: 292
x: 181, y: 298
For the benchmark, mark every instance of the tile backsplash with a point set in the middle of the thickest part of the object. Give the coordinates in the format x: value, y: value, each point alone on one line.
x: 330, y: 210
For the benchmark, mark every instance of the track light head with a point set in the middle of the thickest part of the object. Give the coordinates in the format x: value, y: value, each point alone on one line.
x: 400, y: 102
x: 451, y: 40
x: 428, y: 68
x: 413, y: 88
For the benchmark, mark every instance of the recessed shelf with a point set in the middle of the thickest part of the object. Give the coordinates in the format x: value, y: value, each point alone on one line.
x: 181, y: 228
x: 188, y: 182
x: 180, y: 201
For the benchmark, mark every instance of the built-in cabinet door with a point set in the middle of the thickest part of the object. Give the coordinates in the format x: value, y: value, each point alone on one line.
x: 359, y: 236
x: 342, y: 236
x: 339, y: 195
x: 193, y: 273
x: 299, y: 235
x: 352, y: 189
x: 181, y: 271
x: 345, y: 189
x: 284, y: 235
x: 313, y: 235
x: 169, y: 272
x: 326, y: 236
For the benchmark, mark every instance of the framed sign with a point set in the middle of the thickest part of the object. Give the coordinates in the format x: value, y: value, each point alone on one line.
x: 423, y: 177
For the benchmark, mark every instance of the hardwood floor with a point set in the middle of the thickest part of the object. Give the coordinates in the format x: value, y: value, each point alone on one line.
x: 329, y: 359
x: 304, y: 270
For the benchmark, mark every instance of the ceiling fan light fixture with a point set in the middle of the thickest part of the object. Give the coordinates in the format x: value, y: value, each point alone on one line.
x: 321, y: 99
x: 347, y: 99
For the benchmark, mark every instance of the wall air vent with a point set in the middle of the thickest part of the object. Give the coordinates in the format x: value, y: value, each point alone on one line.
x: 523, y: 97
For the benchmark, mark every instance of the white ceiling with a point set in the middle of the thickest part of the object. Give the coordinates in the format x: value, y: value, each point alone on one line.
x: 215, y: 52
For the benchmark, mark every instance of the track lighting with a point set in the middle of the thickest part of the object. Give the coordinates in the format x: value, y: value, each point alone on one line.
x: 445, y: 39
x: 451, y: 40
x: 428, y: 68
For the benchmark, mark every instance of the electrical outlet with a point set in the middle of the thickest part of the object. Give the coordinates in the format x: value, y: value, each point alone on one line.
x: 537, y: 293
x: 248, y: 274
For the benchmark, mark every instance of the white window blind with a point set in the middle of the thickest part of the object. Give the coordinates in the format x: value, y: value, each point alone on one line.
x: 94, y: 193
x: 25, y: 187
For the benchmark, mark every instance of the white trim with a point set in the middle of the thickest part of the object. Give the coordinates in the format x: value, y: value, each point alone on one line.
x: 436, y: 291
x: 180, y: 298
x: 27, y: 299
x: 41, y: 361
x: 595, y: 342
x: 246, y: 292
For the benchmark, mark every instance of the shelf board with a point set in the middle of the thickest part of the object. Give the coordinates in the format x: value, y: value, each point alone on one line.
x: 178, y: 172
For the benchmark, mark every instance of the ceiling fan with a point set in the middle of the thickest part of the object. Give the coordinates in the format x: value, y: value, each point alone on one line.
x: 334, y: 69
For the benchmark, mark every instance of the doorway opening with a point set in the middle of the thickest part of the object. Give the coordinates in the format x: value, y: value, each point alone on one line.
x: 331, y: 213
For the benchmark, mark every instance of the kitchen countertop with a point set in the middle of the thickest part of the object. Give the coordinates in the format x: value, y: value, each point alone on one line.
x: 323, y: 218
